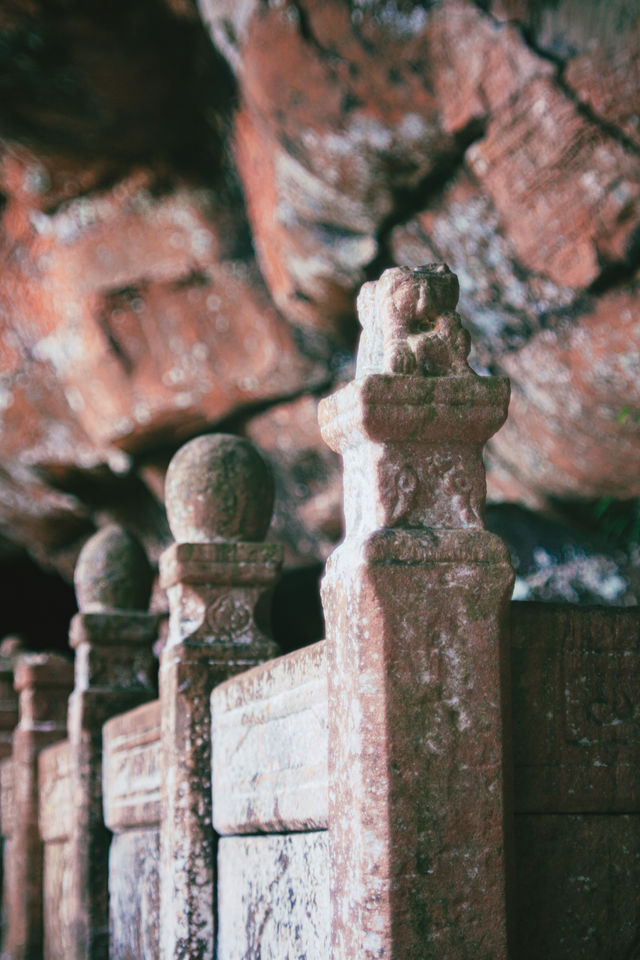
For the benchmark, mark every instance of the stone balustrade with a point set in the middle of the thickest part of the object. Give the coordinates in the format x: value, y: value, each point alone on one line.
x: 383, y: 794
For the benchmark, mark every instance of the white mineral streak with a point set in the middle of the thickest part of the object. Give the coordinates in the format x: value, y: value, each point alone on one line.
x: 273, y: 894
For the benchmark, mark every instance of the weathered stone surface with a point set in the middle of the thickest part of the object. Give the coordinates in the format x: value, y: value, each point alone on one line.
x: 55, y: 816
x: 502, y: 305
x: 269, y: 746
x: 219, y: 600
x: 575, y: 710
x: 570, y: 431
x: 112, y: 573
x: 417, y: 683
x: 133, y: 313
x: 320, y: 169
x: 606, y: 78
x: 56, y: 825
x: 151, y: 347
x: 43, y: 682
x: 273, y: 895
x: 6, y: 796
x: 134, y: 895
x: 58, y: 900
x: 577, y: 882
x: 573, y: 417
x: 595, y: 215
x: 218, y: 488
x: 131, y: 768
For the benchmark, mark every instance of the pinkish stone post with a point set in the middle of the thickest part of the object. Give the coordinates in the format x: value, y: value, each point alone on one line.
x: 415, y: 600
x: 10, y: 649
x: 43, y: 682
x: 113, y: 637
x: 218, y: 576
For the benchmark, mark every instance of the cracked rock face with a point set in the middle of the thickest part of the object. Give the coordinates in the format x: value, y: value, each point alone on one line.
x: 194, y: 193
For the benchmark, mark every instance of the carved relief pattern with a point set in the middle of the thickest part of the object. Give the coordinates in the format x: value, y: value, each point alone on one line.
x: 406, y: 484
x: 458, y: 486
x: 602, y: 704
x: 228, y: 616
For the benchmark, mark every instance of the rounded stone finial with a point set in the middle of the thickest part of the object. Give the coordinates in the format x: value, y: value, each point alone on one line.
x: 218, y: 487
x: 112, y: 572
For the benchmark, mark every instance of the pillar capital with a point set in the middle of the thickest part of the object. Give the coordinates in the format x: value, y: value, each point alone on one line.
x: 411, y: 427
x: 43, y: 680
x: 113, y: 633
x: 219, y: 499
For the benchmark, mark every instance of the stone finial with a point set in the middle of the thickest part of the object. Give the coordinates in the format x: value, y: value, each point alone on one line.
x: 112, y: 573
x: 411, y: 426
x: 410, y: 325
x: 218, y: 488
x: 11, y: 647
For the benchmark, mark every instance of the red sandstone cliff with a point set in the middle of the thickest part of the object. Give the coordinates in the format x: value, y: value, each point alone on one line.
x: 192, y: 197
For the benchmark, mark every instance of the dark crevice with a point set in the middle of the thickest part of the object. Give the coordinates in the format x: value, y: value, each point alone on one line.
x: 296, y: 613
x: 307, y: 34
x: 527, y: 32
x: 585, y: 111
x: 102, y: 319
x: 408, y: 202
x: 101, y: 185
x: 620, y: 273
x: 36, y: 603
x: 612, y: 131
x: 126, y: 84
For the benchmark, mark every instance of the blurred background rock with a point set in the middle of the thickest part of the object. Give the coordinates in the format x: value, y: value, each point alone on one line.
x: 192, y: 194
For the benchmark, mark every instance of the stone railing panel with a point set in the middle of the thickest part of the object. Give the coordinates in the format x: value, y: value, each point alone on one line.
x: 56, y: 805
x: 131, y: 768
x: 131, y: 797
x: 576, y: 709
x: 269, y: 736
x: 274, y: 897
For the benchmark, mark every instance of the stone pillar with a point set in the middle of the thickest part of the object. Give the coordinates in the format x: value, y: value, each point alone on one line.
x: 10, y: 649
x: 219, y: 498
x: 114, y: 671
x: 43, y: 682
x: 415, y: 600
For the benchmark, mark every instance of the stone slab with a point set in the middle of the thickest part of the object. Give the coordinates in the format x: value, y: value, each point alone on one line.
x: 57, y: 900
x: 273, y: 897
x: 269, y: 745
x: 6, y: 797
x: 56, y: 807
x: 576, y: 708
x: 131, y: 768
x: 577, y: 887
x: 134, y: 895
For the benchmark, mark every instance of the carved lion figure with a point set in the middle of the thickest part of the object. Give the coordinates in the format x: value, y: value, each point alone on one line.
x: 410, y: 325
